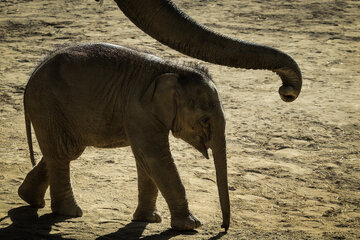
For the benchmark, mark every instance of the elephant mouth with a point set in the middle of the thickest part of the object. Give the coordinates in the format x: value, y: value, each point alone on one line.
x: 199, y: 145
x: 203, y: 148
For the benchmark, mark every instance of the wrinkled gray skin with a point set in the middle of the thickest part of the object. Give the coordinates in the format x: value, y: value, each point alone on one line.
x: 108, y: 96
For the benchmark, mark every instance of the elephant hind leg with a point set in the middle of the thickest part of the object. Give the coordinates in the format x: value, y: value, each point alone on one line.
x: 62, y: 197
x: 34, y: 186
x: 59, y: 144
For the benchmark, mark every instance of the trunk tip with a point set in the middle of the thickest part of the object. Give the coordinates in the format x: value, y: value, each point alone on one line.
x: 288, y: 93
x: 225, y: 226
x: 226, y: 223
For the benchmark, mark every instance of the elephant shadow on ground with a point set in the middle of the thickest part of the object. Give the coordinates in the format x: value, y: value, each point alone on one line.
x: 134, y: 230
x: 26, y: 224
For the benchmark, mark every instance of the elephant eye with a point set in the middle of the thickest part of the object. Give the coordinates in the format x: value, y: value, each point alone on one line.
x: 205, y: 121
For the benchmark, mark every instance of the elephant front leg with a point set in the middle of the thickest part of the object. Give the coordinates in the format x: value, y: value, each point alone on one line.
x: 148, y: 192
x: 62, y: 197
x: 34, y: 186
x: 163, y: 171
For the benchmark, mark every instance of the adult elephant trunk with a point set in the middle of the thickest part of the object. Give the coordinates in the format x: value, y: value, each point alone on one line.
x: 218, y: 147
x: 162, y: 20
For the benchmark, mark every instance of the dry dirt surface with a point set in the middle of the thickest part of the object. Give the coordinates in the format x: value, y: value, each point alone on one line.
x: 294, y: 169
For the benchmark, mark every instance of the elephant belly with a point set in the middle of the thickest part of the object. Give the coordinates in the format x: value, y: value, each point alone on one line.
x: 108, y: 139
x: 114, y: 144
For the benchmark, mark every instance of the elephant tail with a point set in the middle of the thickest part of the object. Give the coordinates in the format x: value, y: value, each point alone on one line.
x: 28, y: 135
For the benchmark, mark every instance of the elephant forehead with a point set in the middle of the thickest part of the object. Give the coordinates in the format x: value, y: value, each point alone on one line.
x: 211, y: 97
x: 202, y: 102
x: 191, y: 115
x: 204, y: 98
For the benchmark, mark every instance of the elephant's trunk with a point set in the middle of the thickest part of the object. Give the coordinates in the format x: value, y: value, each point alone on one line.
x: 222, y: 184
x: 162, y: 20
x: 218, y: 147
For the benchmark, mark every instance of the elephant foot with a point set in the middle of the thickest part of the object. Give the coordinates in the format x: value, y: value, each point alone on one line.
x: 34, y: 186
x: 67, y: 208
x: 146, y: 216
x: 182, y: 223
x: 31, y: 196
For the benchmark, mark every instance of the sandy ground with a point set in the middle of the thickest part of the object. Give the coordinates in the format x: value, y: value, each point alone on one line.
x: 294, y: 169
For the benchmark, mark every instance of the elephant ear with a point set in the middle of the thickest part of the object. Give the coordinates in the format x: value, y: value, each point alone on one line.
x: 160, y: 98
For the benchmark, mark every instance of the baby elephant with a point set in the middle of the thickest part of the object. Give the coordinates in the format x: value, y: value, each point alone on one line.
x: 106, y: 96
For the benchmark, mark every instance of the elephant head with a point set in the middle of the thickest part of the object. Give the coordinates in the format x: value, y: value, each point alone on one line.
x: 189, y: 105
x: 162, y: 20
